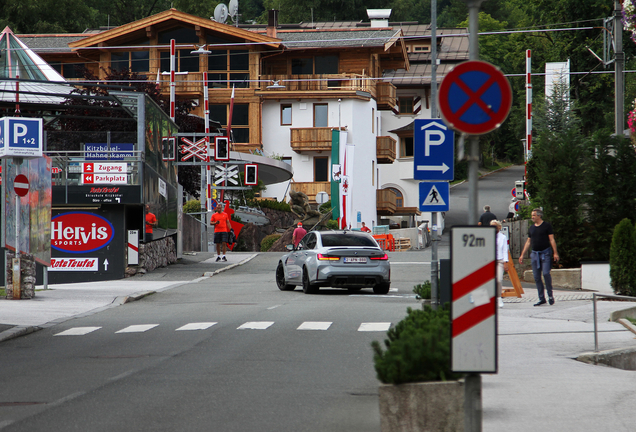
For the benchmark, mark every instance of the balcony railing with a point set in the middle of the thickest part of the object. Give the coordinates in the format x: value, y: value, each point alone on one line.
x: 311, y: 139
x: 311, y: 189
x: 190, y: 82
x: 385, y: 149
x: 386, y: 202
x: 247, y: 147
x: 386, y: 95
x: 326, y: 82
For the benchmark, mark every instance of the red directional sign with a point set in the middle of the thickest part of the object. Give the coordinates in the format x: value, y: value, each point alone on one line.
x: 21, y: 185
x: 475, y: 97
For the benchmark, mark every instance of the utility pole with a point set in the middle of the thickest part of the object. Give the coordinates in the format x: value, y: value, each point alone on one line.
x: 434, y: 258
x: 473, y: 410
x: 619, y: 78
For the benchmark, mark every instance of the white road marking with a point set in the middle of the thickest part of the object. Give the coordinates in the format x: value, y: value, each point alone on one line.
x: 77, y: 331
x: 314, y: 325
x: 196, y: 326
x: 393, y: 290
x: 410, y: 263
x: 137, y: 328
x: 377, y: 326
x: 255, y: 325
x: 273, y: 307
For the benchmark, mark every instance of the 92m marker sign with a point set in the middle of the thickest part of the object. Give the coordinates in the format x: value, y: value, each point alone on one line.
x: 473, y: 307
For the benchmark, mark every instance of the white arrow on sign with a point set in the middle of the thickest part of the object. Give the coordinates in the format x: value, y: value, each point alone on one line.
x: 106, y: 264
x: 443, y: 167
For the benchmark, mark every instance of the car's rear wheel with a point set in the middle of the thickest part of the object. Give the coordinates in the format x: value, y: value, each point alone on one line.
x: 308, y: 287
x: 280, y: 279
x: 382, y: 288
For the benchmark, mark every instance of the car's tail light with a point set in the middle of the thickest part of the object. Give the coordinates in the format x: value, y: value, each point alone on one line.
x: 382, y: 257
x: 322, y: 257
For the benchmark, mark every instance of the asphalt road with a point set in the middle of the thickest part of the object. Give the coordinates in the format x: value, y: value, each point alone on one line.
x: 246, y: 364
x: 493, y: 190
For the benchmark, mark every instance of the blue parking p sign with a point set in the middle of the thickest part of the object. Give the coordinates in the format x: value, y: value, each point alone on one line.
x: 433, y: 150
x: 21, y: 137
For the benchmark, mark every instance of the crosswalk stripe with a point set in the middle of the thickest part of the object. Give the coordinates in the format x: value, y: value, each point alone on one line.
x: 374, y: 326
x: 314, y: 325
x: 255, y: 325
x: 196, y: 326
x: 137, y: 328
x: 77, y: 331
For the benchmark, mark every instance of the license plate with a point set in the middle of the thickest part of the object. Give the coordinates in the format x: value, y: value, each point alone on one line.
x: 355, y: 260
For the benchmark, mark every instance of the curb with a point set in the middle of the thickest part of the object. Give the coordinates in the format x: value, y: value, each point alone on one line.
x: 18, y: 331
x: 216, y: 272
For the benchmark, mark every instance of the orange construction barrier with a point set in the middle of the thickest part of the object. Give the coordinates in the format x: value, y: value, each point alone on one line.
x: 386, y: 241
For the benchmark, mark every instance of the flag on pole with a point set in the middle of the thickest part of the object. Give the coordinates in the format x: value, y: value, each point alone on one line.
x: 336, y: 174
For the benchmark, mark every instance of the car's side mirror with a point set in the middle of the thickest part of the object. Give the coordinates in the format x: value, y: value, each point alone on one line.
x: 289, y: 247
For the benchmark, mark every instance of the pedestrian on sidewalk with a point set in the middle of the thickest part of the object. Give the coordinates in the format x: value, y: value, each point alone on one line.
x: 502, y: 258
x: 221, y: 222
x: 541, y: 237
x: 151, y: 222
x: 298, y: 234
x: 486, y: 217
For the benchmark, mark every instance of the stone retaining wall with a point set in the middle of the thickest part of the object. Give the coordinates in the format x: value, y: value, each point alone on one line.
x: 158, y: 253
x: 561, y: 278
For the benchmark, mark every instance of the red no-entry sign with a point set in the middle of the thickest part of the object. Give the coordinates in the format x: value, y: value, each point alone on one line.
x: 475, y: 97
x: 21, y: 185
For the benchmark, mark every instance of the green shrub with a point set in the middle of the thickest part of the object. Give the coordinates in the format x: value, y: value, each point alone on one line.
x: 325, y: 207
x: 193, y: 206
x: 423, y: 291
x: 622, y: 255
x: 275, y: 205
x: 332, y: 224
x: 417, y: 349
x: 268, y: 241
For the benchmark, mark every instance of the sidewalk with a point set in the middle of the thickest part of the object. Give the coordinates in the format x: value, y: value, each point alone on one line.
x: 65, y: 301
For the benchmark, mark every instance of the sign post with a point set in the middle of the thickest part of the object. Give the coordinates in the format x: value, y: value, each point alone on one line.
x: 433, y: 159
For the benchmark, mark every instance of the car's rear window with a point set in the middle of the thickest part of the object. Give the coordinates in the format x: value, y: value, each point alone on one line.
x: 329, y: 240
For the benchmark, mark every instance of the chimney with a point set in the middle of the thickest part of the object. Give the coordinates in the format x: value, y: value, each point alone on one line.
x: 272, y: 22
x: 379, y: 17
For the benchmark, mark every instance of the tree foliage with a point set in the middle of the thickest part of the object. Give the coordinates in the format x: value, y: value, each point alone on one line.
x: 623, y: 259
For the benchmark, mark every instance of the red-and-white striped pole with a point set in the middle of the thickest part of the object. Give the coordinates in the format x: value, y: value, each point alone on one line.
x: 206, y: 116
x: 528, y: 106
x: 172, y: 78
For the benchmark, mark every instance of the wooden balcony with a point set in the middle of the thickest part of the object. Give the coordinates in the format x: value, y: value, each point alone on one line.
x: 385, y: 149
x: 386, y: 202
x: 386, y: 95
x: 321, y: 83
x: 187, y: 83
x: 247, y: 147
x: 311, y: 139
x: 311, y: 189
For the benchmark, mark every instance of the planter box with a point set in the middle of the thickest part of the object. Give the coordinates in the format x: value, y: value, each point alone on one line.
x: 436, y: 406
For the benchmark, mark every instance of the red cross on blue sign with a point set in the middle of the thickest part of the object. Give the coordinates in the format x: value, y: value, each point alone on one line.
x: 475, y: 97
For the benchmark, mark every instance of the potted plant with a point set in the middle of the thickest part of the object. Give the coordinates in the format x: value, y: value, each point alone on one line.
x: 419, y: 392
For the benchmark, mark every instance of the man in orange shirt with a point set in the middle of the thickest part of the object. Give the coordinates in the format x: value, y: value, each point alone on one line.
x: 365, y: 228
x: 221, y: 222
x: 151, y: 221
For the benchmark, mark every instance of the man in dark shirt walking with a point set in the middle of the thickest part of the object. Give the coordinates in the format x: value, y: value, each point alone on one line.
x: 541, y: 237
x: 486, y: 217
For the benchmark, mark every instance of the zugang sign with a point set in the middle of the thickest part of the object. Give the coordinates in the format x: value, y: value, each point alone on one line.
x: 80, y: 232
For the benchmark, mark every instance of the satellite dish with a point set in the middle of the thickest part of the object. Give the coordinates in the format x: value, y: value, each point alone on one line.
x: 233, y: 9
x: 220, y: 13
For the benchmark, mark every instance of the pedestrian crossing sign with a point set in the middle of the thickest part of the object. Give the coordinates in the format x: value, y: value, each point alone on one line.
x: 434, y: 196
